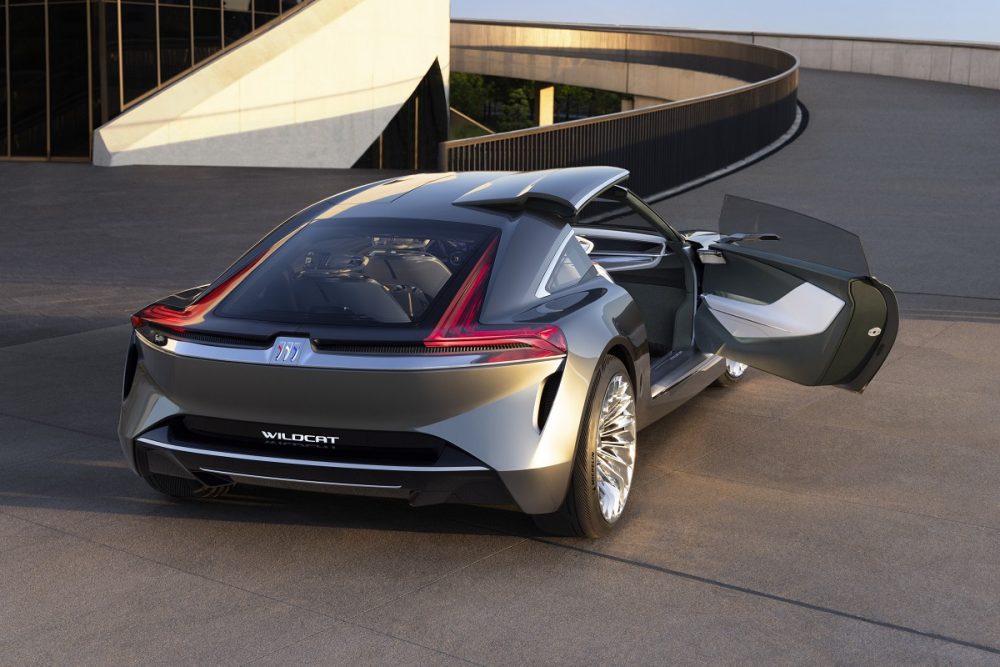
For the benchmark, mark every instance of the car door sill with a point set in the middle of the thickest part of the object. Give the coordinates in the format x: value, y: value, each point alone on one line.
x: 682, y: 368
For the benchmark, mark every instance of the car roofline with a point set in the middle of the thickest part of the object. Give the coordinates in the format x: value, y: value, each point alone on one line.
x: 566, y: 190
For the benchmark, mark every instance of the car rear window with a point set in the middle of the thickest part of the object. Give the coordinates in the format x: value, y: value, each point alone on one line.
x: 358, y: 272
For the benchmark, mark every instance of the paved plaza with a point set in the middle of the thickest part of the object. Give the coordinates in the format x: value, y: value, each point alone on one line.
x: 770, y: 522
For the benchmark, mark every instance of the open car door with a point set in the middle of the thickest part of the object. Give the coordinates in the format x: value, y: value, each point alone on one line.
x: 793, y: 296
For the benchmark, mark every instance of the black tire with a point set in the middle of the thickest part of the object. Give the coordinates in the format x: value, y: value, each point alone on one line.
x: 727, y: 379
x: 580, y: 514
x: 179, y: 487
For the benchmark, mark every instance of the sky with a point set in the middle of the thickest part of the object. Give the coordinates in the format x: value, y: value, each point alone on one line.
x: 951, y: 20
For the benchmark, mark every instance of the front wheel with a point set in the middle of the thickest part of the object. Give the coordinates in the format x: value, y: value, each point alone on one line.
x: 605, y: 458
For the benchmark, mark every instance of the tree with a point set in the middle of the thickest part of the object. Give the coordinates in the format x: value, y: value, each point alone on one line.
x: 470, y: 94
x: 516, y: 111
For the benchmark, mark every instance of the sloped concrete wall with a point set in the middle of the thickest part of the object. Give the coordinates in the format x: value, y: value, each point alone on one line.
x: 313, y: 91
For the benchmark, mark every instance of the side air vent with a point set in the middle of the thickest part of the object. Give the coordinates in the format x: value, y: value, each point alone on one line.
x: 548, y: 397
x: 131, y: 362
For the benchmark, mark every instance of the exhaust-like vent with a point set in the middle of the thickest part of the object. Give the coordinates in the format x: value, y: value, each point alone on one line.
x: 130, y: 364
x: 548, y: 397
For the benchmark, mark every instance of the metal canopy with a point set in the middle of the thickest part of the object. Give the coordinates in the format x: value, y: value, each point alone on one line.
x: 569, y: 189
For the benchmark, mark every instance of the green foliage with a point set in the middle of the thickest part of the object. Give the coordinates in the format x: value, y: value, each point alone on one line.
x: 509, y: 104
x: 516, y: 111
x: 461, y: 128
x: 576, y: 102
x: 471, y: 94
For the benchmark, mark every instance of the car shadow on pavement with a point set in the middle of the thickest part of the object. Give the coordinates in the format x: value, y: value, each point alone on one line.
x: 51, y: 475
x: 87, y: 485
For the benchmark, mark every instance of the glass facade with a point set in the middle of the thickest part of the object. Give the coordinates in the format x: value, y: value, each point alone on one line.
x: 410, y: 140
x: 69, y: 66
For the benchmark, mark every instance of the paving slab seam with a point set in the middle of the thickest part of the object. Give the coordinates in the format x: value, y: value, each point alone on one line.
x: 443, y: 576
x: 360, y: 627
x: 288, y: 645
x: 69, y: 451
x: 28, y: 522
x: 39, y: 422
x: 111, y: 547
x: 756, y: 593
x: 954, y: 316
x: 949, y: 296
x: 794, y: 412
x: 775, y: 598
x: 258, y: 594
x: 9, y: 347
x: 269, y: 652
x: 820, y: 496
x: 724, y: 410
x: 664, y: 470
x: 784, y: 413
x: 47, y: 457
x: 910, y: 384
x: 899, y: 352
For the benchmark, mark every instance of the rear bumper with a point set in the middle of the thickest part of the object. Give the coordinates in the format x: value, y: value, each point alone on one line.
x: 159, y: 452
x: 487, y: 416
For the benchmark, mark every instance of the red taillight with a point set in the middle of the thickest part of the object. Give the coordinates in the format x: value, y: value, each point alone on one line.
x: 171, y: 318
x: 168, y: 318
x: 460, y: 328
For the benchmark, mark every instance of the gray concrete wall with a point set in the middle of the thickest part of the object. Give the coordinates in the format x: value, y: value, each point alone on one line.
x: 640, y: 102
x: 313, y: 91
x: 963, y: 63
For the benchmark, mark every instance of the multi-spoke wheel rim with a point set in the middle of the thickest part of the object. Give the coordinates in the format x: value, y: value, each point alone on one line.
x: 735, y: 368
x: 615, y: 453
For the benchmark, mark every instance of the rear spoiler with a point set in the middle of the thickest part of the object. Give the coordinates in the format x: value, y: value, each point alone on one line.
x: 566, y: 190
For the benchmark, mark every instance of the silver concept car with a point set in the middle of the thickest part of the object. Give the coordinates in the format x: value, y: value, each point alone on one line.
x: 491, y: 338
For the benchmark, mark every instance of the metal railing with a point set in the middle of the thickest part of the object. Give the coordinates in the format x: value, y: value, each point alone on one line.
x: 666, y: 145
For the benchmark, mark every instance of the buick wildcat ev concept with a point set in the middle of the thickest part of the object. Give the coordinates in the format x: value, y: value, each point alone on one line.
x: 485, y: 337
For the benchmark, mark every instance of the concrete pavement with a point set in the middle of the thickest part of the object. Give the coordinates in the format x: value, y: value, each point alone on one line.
x: 911, y: 166
x: 771, y: 523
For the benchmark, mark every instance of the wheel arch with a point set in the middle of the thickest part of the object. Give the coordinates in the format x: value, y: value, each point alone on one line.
x: 618, y: 349
x: 625, y: 351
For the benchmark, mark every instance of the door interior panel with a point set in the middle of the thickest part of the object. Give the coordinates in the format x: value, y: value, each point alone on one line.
x: 739, y: 273
x: 801, y: 359
x: 804, y: 311
x: 792, y: 318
